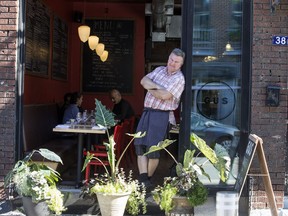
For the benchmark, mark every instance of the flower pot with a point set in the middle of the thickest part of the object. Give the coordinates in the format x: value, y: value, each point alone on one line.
x: 112, y: 205
x: 35, y: 209
x: 182, y: 207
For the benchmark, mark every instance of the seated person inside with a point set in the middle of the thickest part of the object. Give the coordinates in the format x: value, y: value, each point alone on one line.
x: 64, y: 106
x: 73, y: 109
x: 122, y: 108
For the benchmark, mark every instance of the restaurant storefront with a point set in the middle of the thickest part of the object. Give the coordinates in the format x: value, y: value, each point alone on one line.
x: 230, y: 61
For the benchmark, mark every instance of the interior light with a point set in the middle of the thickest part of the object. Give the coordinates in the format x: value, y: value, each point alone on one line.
x: 83, y: 32
x: 229, y: 47
x: 93, y: 41
x: 100, y: 48
x: 104, y: 56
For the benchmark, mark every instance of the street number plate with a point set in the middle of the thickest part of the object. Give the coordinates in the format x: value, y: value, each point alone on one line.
x: 280, y: 40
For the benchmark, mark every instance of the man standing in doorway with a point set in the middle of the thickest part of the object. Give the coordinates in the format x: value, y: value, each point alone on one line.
x: 164, y: 87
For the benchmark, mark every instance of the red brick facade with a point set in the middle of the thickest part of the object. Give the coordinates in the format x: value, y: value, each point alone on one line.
x: 269, y: 66
x: 8, y: 68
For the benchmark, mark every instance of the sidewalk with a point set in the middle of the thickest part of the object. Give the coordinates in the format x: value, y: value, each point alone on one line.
x: 79, y: 207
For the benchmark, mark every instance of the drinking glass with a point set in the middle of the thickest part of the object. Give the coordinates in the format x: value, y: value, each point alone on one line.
x: 72, y: 123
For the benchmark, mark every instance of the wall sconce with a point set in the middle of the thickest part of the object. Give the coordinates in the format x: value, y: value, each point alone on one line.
x: 273, y: 95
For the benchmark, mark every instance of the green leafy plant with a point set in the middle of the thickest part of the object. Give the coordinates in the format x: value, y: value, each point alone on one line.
x: 37, y: 180
x: 186, y: 182
x: 115, y: 181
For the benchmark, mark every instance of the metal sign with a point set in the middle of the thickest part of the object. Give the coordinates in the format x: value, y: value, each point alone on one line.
x: 280, y: 40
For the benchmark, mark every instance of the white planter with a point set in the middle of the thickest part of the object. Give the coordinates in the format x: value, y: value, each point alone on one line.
x: 112, y: 205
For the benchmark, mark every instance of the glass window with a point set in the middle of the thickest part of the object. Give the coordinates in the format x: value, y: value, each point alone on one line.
x: 216, y: 74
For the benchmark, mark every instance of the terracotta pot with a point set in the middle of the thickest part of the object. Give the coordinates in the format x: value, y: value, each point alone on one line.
x: 35, y: 209
x: 182, y: 207
x: 112, y: 205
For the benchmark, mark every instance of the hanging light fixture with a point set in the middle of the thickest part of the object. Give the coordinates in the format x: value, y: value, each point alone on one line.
x: 100, y: 48
x: 228, y: 47
x: 93, y: 42
x: 104, y: 56
x: 83, y: 32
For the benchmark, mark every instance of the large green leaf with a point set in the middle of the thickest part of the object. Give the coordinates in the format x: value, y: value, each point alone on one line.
x: 224, y: 162
x: 188, y: 158
x: 50, y: 155
x: 161, y: 145
x: 218, y: 157
x: 204, y: 148
x: 104, y: 116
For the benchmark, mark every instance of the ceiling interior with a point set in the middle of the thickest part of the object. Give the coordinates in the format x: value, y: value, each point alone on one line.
x: 165, y: 16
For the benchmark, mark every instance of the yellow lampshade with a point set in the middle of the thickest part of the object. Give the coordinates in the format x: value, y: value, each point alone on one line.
x: 100, y: 48
x: 84, y: 32
x: 93, y: 41
x: 104, y: 56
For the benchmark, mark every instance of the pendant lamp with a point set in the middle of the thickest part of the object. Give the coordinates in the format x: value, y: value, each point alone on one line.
x: 100, y: 48
x: 228, y: 47
x: 83, y: 32
x: 104, y: 56
x: 93, y: 41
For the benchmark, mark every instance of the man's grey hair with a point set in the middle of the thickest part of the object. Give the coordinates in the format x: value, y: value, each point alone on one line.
x: 179, y: 52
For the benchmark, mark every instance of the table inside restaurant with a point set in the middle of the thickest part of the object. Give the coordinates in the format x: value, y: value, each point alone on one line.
x: 81, y: 130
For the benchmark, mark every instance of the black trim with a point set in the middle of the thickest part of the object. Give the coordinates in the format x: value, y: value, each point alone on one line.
x: 19, y: 92
x: 186, y: 44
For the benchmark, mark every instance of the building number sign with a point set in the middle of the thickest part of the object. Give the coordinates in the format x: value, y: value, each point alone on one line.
x: 280, y: 40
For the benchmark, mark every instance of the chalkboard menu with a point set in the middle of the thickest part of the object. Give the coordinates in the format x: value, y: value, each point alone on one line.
x: 117, y: 70
x: 244, y: 168
x: 60, y: 47
x: 37, y: 38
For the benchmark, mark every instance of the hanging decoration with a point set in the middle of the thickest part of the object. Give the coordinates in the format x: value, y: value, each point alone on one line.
x: 93, y: 40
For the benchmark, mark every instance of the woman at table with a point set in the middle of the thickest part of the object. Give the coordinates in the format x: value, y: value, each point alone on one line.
x: 73, y: 109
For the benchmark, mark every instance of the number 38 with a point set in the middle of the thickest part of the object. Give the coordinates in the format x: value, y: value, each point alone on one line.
x: 281, y: 40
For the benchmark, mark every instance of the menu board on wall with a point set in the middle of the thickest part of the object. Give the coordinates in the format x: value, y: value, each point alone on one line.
x: 117, y: 70
x: 37, y: 38
x: 60, y: 49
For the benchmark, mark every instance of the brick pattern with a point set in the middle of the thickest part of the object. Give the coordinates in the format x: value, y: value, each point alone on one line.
x: 269, y: 66
x: 8, y: 67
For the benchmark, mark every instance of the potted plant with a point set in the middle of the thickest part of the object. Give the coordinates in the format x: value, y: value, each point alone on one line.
x: 185, y: 188
x: 114, y: 184
x: 36, y: 181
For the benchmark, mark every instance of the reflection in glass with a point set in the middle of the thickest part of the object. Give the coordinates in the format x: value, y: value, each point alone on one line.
x: 216, y: 71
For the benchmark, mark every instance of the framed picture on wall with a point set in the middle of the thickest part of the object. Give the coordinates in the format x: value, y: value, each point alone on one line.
x: 60, y: 49
x: 37, y: 39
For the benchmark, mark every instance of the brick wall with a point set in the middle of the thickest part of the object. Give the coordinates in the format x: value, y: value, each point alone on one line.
x: 269, y: 66
x: 8, y: 45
